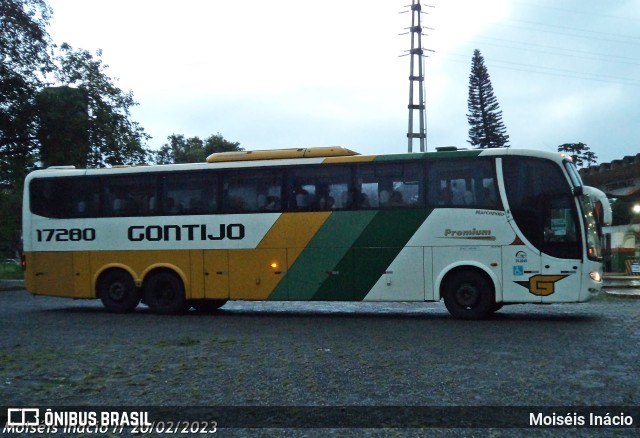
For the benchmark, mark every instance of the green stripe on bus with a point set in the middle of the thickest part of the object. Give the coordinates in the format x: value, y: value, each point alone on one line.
x: 397, y: 157
x: 370, y: 255
x: 429, y: 155
x: 453, y: 154
x: 318, y: 260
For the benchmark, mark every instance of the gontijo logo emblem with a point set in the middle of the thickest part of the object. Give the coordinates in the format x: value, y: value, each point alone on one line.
x: 542, y: 285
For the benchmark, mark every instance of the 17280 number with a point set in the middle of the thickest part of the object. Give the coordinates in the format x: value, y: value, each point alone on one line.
x: 65, y: 235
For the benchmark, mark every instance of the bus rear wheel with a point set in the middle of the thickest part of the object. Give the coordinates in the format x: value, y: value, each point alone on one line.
x: 118, y: 292
x: 164, y: 294
x: 468, y: 295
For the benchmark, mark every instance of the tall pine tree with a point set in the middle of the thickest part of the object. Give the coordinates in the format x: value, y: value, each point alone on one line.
x: 485, y: 117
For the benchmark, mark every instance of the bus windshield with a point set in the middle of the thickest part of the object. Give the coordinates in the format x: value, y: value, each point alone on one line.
x: 543, y: 206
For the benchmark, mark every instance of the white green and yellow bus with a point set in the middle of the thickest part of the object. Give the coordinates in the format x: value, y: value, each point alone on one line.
x: 476, y: 228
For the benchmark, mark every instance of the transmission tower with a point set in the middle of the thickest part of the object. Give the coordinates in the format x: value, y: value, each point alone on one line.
x: 416, y: 54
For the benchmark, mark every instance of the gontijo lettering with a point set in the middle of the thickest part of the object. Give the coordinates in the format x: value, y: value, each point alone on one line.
x: 190, y: 232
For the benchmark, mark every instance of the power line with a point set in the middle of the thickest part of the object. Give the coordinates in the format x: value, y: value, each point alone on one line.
x: 573, y: 53
x: 550, y: 71
x: 538, y: 6
x: 635, y: 43
x: 581, y: 31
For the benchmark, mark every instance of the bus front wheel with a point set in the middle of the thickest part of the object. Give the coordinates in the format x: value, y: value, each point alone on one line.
x: 164, y: 294
x: 118, y: 292
x: 468, y: 295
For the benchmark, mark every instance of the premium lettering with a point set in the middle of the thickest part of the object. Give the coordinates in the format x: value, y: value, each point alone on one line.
x: 189, y: 232
x: 466, y: 233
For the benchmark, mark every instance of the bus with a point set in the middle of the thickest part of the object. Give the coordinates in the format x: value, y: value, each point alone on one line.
x: 476, y: 228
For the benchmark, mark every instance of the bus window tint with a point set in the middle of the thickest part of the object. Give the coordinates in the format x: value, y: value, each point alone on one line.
x: 187, y: 193
x: 61, y: 198
x: 251, y: 191
x: 383, y: 185
x: 463, y: 183
x: 129, y: 195
x: 320, y: 188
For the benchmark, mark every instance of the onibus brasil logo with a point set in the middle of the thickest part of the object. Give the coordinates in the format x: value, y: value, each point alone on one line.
x: 33, y: 420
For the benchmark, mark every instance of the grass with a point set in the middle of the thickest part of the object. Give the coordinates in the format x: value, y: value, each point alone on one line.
x: 11, y: 271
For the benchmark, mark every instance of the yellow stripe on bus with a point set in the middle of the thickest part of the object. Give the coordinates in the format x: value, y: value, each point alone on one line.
x: 293, y: 231
x: 351, y: 159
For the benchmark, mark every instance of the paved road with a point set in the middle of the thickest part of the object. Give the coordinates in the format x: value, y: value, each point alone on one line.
x: 63, y: 352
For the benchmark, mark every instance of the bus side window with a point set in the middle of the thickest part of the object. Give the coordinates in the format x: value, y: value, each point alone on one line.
x: 65, y: 197
x: 129, y: 196
x: 251, y: 191
x: 189, y: 193
x: 468, y: 183
x: 84, y: 197
x: 390, y: 185
x: 319, y: 188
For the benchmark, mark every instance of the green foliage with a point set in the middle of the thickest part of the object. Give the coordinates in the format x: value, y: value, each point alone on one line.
x: 86, y: 122
x: 10, y: 222
x: 485, y: 118
x: 10, y: 271
x: 579, y: 153
x: 64, y: 126
x: 193, y: 150
x: 113, y: 137
x: 24, y: 59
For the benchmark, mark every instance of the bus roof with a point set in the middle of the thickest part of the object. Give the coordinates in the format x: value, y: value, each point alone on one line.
x: 299, y: 156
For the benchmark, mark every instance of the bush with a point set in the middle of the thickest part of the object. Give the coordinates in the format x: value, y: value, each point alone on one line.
x: 11, y: 271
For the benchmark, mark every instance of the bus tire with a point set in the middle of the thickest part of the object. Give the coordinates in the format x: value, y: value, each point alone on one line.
x: 207, y: 306
x: 117, y: 291
x: 468, y: 295
x: 164, y: 293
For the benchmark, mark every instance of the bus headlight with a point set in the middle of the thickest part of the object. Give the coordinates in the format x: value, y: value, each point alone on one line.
x: 595, y: 276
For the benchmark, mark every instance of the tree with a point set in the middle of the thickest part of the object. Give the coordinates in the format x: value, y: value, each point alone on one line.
x: 487, y: 129
x: 63, y: 130
x: 113, y: 137
x: 24, y: 60
x: 579, y: 153
x: 86, y: 122
x: 193, y: 150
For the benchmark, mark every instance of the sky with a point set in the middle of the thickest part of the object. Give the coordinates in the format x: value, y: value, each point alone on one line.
x: 286, y: 73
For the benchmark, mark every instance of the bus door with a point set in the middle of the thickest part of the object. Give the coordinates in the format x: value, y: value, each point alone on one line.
x: 255, y: 273
x: 544, y: 259
x: 561, y: 250
x: 552, y: 272
x: 216, y: 274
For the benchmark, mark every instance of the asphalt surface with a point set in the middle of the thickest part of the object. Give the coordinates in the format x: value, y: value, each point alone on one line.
x: 561, y: 357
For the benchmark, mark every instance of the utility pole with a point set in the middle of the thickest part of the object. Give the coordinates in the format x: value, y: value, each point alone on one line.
x: 417, y: 56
